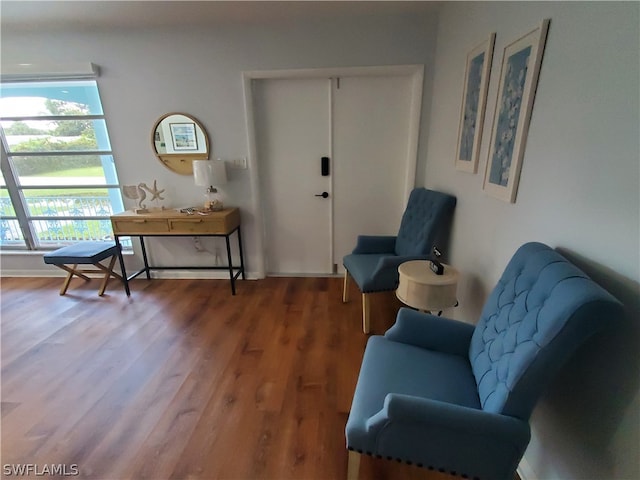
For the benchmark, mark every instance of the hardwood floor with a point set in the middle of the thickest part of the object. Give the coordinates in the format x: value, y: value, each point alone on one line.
x: 183, y: 380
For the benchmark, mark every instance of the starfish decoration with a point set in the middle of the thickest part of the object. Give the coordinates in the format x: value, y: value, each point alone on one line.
x: 137, y: 192
x: 155, y: 193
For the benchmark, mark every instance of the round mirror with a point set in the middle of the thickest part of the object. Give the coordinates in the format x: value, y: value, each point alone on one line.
x: 179, y: 139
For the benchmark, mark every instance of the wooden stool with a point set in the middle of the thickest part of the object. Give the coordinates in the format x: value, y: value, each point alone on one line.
x: 85, y: 253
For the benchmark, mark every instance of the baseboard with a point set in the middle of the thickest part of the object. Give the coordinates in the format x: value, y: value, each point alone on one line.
x: 524, y: 471
x: 168, y: 274
x: 50, y: 272
x: 197, y: 274
x: 306, y: 275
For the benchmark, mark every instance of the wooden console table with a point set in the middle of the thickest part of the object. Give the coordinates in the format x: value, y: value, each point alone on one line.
x: 172, y: 223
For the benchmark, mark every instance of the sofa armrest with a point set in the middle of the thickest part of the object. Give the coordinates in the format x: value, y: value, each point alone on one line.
x: 449, y: 437
x: 393, y: 262
x: 387, y: 267
x: 413, y: 411
x: 375, y: 244
x: 431, y: 332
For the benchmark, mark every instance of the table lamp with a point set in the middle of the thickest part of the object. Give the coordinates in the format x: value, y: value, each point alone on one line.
x: 208, y: 173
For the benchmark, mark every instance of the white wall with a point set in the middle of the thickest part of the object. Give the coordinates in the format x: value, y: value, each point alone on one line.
x: 147, y: 73
x: 579, y: 192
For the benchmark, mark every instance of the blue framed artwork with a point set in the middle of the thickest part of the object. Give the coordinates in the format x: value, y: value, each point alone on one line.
x: 519, y: 74
x: 474, y: 99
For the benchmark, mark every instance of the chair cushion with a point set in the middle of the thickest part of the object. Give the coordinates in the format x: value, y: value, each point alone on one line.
x: 361, y: 268
x: 81, y: 253
x: 390, y: 366
x: 425, y: 222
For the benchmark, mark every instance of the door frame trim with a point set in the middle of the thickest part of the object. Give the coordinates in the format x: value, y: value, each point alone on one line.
x: 416, y: 72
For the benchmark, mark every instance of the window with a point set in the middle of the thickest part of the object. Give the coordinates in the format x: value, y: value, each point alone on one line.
x: 59, y: 183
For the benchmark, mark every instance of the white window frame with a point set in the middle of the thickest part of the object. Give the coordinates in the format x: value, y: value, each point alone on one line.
x: 26, y: 221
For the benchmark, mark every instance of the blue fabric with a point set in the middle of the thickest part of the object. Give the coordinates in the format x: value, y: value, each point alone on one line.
x: 375, y: 244
x: 428, y: 331
x: 542, y: 301
x: 446, y: 395
x: 425, y: 222
x: 459, y: 440
x: 81, y: 253
x: 391, y: 367
x: 422, y: 407
x: 376, y: 272
x: 374, y: 262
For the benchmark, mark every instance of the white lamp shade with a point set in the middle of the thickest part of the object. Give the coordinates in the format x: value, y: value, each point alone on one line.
x: 209, y: 172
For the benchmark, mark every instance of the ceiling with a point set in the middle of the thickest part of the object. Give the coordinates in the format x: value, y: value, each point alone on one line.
x: 53, y: 14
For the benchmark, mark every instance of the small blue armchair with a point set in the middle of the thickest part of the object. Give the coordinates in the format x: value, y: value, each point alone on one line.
x: 449, y: 396
x: 374, y: 262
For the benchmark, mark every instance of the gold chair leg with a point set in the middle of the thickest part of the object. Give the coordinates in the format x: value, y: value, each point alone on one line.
x: 345, y: 287
x: 71, y: 272
x: 66, y: 283
x: 107, y: 275
x: 353, y: 466
x: 366, y: 312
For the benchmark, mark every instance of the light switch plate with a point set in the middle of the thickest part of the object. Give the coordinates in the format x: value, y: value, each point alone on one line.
x: 240, y: 162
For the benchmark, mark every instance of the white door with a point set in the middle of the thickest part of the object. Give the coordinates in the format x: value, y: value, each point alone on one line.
x: 371, y: 120
x: 362, y: 124
x: 292, y: 119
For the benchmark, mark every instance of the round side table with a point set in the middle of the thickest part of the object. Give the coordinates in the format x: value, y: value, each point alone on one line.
x: 420, y: 288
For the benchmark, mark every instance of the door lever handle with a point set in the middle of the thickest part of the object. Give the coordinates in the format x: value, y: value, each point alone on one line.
x: 323, y: 195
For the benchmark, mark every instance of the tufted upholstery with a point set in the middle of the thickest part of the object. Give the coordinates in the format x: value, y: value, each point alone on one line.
x: 541, y: 302
x: 373, y: 264
x: 425, y: 222
x: 446, y: 395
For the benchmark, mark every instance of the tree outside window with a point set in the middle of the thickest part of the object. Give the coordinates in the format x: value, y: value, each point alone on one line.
x: 59, y: 181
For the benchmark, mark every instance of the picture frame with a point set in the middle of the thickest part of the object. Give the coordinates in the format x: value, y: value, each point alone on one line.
x: 183, y: 136
x: 473, y: 106
x: 521, y: 61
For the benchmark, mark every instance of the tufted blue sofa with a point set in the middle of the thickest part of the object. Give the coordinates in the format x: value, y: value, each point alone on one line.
x: 449, y: 396
x: 374, y: 262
